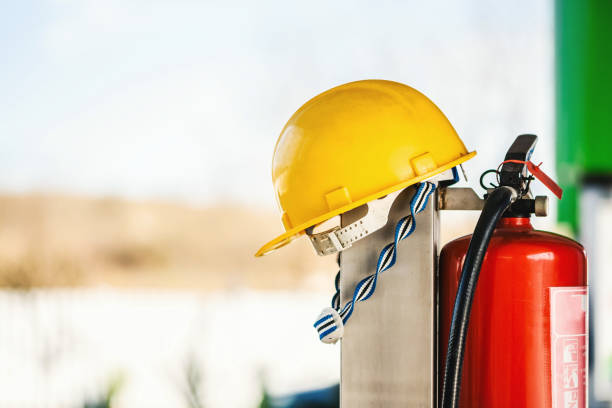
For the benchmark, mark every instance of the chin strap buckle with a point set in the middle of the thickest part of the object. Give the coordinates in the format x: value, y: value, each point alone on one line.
x: 328, y: 242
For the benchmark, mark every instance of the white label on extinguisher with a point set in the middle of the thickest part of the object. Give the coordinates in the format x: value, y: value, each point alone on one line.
x: 569, y: 342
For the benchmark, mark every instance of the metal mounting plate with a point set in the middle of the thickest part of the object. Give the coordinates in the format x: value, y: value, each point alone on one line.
x: 388, y: 349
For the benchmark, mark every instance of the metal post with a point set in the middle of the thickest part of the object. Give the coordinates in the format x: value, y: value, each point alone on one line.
x: 389, y: 345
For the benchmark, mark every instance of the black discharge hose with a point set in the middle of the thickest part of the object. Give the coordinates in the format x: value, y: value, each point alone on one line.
x: 497, y: 202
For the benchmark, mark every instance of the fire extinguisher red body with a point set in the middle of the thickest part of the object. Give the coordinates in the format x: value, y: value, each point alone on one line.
x: 510, y: 359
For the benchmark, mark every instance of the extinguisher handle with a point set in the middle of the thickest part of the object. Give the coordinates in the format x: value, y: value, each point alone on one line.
x: 514, y: 174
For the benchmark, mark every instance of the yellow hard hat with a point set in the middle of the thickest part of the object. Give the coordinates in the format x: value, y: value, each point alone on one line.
x: 353, y: 144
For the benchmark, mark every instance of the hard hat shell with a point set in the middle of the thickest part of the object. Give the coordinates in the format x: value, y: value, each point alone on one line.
x: 353, y: 144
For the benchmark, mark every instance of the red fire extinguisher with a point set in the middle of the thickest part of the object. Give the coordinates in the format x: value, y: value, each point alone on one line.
x: 513, y: 304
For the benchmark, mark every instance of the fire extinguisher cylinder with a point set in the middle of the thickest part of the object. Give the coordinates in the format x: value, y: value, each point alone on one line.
x: 513, y: 303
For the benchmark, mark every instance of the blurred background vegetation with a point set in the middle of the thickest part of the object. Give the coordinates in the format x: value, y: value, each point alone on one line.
x: 59, y: 240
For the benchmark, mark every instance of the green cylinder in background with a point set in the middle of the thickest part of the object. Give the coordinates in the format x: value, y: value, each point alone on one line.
x: 583, y: 99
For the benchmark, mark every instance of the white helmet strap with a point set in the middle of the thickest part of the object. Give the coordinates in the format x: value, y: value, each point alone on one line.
x: 337, y: 239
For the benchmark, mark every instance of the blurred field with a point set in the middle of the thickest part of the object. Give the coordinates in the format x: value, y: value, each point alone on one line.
x: 58, y: 240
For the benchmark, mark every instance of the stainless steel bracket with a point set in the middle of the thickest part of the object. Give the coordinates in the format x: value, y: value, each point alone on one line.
x: 465, y: 198
x: 459, y: 198
x: 388, y: 356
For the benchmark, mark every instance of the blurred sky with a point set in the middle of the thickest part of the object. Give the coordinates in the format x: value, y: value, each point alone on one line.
x: 185, y: 99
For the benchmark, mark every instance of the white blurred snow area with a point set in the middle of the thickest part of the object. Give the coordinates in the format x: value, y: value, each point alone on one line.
x: 60, y: 348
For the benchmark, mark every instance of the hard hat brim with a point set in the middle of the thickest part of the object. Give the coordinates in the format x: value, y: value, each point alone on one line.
x: 298, y: 231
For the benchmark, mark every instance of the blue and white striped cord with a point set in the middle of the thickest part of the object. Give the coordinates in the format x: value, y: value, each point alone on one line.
x: 330, y: 324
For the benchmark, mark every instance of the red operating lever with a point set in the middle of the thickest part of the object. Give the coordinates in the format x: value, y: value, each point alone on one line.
x: 540, y: 175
